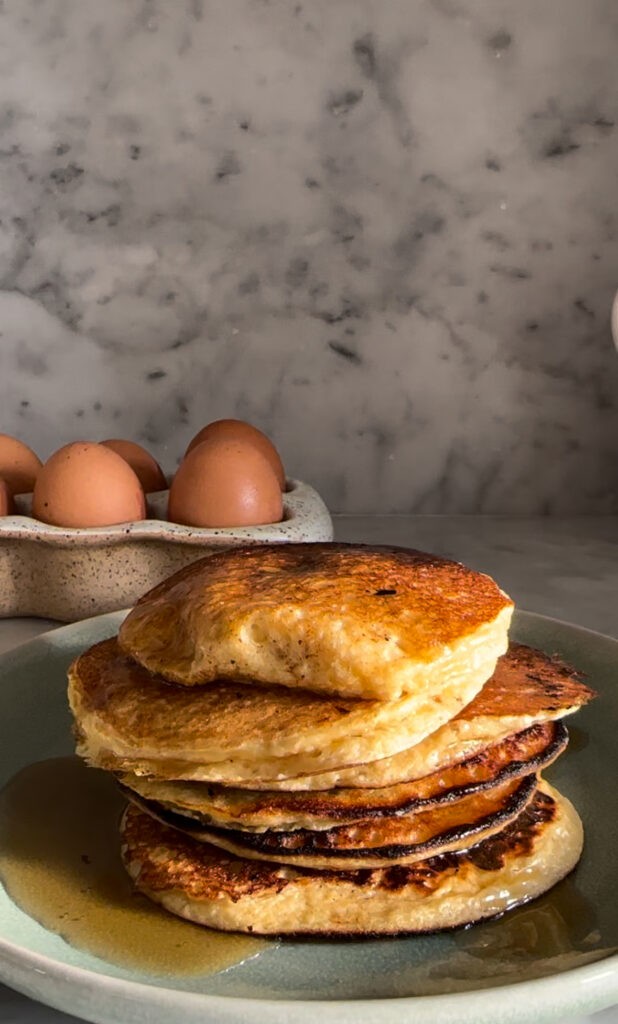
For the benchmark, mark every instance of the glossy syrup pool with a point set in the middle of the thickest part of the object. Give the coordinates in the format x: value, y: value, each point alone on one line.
x: 60, y: 863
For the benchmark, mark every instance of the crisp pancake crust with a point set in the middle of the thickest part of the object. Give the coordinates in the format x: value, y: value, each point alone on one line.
x: 531, y: 683
x: 376, y: 842
x: 369, y: 622
x: 127, y: 719
x: 258, y: 810
x: 207, y: 886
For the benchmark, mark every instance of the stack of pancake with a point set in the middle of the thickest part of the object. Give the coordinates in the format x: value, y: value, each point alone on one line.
x: 330, y: 739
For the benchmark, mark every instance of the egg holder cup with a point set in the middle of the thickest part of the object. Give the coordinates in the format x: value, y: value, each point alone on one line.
x: 69, y: 574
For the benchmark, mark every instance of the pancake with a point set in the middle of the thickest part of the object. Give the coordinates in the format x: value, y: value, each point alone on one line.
x: 209, y: 887
x: 330, y: 739
x: 128, y: 720
x: 527, y: 687
x: 225, y: 807
x: 375, y: 842
x: 355, y: 621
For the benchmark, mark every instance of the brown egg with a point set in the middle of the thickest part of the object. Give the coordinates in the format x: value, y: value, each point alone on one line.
x: 147, y: 469
x: 85, y: 484
x: 225, y: 483
x: 7, y: 507
x: 238, y: 430
x: 19, y: 466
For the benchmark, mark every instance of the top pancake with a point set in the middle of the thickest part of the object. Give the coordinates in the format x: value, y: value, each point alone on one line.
x: 357, y: 621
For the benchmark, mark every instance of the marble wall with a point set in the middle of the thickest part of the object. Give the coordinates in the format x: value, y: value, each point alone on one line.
x: 385, y: 231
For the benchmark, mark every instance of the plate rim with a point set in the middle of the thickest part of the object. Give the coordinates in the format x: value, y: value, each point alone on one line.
x: 586, y: 988
x: 547, y: 997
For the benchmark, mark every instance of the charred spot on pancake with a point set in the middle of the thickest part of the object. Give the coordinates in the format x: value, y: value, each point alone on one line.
x: 526, y: 678
x: 205, y: 884
x: 369, y: 839
x: 198, y: 869
x: 517, y: 838
x: 203, y: 870
x: 518, y: 754
x: 551, y: 737
x: 343, y: 841
x: 426, y: 876
x: 423, y: 875
x: 514, y: 841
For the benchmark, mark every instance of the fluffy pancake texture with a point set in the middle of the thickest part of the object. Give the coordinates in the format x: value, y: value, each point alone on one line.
x: 258, y: 810
x: 331, y: 739
x: 129, y: 720
x: 527, y: 687
x: 210, y: 887
x: 368, y: 622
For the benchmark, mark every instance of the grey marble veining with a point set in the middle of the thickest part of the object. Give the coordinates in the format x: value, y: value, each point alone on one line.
x: 382, y: 230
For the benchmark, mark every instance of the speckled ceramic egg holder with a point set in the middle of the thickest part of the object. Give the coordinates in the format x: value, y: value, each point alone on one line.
x: 69, y: 574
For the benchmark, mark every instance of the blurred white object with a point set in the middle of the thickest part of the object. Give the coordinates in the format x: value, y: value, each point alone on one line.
x: 615, y: 319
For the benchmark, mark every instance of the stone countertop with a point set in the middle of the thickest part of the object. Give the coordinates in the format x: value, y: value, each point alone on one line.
x: 563, y: 567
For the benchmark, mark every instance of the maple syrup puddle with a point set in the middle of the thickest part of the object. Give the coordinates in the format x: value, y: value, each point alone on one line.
x: 60, y: 863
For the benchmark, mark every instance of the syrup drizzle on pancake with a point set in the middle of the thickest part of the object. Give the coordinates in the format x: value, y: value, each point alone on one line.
x: 60, y: 863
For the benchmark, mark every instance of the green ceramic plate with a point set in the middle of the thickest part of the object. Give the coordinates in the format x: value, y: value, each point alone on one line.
x: 552, y: 958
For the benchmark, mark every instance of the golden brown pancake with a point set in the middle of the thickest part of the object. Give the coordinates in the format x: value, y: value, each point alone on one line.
x: 258, y: 810
x: 358, y: 621
x: 129, y: 720
x: 204, y: 884
x: 120, y: 709
x: 375, y: 842
x: 528, y: 686
x: 531, y: 683
x: 306, y: 730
